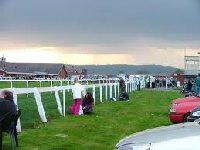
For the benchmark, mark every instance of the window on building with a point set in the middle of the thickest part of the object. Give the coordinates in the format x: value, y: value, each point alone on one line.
x: 191, y: 62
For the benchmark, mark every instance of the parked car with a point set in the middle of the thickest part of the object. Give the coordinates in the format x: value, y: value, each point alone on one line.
x: 184, y: 136
x: 194, y: 115
x: 181, y: 108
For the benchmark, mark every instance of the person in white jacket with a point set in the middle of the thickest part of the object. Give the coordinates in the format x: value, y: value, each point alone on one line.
x: 77, y: 90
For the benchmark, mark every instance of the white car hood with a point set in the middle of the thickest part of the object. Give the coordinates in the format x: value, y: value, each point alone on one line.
x: 175, y: 137
x: 187, y: 143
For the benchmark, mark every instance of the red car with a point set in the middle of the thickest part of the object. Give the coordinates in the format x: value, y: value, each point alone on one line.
x: 180, y: 108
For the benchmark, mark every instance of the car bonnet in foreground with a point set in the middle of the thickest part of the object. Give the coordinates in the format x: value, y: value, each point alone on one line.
x: 175, y: 137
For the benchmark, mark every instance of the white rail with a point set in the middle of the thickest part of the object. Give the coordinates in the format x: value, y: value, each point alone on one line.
x: 130, y: 86
x: 86, y: 81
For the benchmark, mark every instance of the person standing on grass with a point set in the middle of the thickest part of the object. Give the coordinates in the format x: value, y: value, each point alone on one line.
x: 122, y: 86
x: 197, y: 82
x: 77, y: 90
x: 7, y: 106
x: 189, y: 86
x: 138, y: 84
x: 8, y: 109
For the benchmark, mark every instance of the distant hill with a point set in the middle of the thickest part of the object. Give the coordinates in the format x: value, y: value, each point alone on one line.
x: 33, y: 67
x: 91, y: 69
x: 128, y: 69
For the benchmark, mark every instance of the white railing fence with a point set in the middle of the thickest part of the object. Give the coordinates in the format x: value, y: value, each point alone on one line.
x: 52, y: 83
x: 107, y: 86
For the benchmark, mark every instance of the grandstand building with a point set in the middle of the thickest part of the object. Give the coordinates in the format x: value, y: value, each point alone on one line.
x: 36, y: 70
x: 191, y: 66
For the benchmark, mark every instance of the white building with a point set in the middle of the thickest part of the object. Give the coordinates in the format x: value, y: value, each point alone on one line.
x: 191, y: 67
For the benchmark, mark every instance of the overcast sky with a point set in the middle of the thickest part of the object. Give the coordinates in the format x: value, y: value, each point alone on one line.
x: 100, y: 31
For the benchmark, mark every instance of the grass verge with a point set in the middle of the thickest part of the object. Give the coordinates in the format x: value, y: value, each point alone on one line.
x: 110, y: 122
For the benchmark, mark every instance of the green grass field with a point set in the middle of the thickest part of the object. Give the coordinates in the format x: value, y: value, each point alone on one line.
x: 110, y: 122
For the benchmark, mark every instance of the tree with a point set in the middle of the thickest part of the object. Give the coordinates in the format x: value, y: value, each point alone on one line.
x: 179, y: 71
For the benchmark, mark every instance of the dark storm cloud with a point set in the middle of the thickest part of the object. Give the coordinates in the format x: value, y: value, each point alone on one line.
x: 101, y: 22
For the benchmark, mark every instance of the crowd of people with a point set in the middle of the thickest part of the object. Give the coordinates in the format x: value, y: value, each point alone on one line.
x: 192, y: 87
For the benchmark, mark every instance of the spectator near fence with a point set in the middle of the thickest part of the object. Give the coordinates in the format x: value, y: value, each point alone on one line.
x: 122, y: 86
x: 78, y: 94
x: 7, y: 106
x: 189, y: 86
x: 138, y: 84
x: 197, y: 82
x: 88, y: 103
x: 6, y: 95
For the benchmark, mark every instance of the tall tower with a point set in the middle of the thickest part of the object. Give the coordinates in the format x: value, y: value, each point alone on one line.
x: 3, y: 63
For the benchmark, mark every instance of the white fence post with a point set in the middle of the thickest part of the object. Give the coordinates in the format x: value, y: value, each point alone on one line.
x: 111, y: 90
x: 126, y: 87
x: 118, y: 89
x: 129, y: 89
x: 58, y: 100
x: 106, y: 91
x: 40, y: 105
x: 94, y: 94
x: 64, y: 99
x: 19, y: 129
x: 100, y: 87
x: 131, y: 86
x: 115, y: 86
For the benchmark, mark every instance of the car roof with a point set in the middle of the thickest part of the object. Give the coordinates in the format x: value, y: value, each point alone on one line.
x: 165, y: 133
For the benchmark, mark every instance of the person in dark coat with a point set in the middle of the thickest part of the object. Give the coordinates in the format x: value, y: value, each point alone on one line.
x: 6, y: 95
x: 189, y: 86
x: 122, y: 86
x: 88, y: 103
x: 7, y: 106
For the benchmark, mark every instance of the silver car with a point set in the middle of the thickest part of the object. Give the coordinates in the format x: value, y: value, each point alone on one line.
x: 185, y: 136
